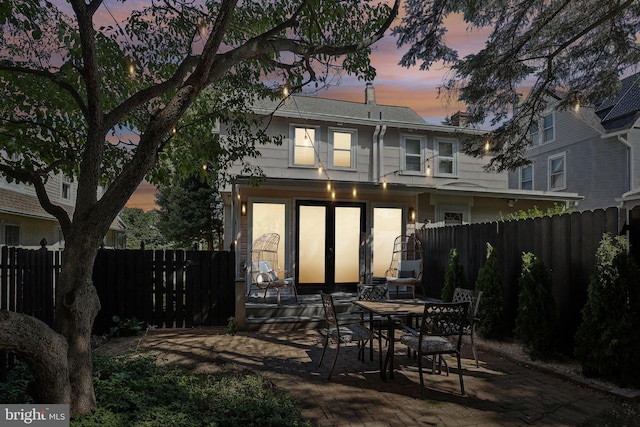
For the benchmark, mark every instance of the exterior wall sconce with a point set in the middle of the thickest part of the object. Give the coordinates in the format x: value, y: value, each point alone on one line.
x: 243, y: 208
x: 412, y: 215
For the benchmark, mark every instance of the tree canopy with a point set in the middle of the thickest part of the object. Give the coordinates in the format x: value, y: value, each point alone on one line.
x: 142, y: 229
x: 574, y: 50
x: 101, y: 97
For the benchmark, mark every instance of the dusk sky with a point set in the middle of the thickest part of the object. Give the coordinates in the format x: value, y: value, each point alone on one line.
x: 394, y: 85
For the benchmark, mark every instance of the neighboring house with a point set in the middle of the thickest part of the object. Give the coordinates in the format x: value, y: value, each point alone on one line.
x: 589, y: 150
x: 349, y: 177
x: 24, y: 223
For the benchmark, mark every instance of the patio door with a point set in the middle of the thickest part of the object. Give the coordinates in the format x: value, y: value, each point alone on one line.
x: 328, y: 245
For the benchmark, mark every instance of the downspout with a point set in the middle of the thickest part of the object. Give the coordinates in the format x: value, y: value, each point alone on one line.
x: 382, y: 132
x: 374, y: 173
x: 629, y: 161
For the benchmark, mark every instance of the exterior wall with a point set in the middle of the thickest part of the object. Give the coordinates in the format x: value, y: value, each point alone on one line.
x: 595, y: 167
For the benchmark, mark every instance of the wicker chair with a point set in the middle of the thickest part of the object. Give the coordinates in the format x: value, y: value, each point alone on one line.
x: 473, y: 298
x: 342, y: 332
x: 440, y: 322
x: 265, y: 270
x: 405, y: 269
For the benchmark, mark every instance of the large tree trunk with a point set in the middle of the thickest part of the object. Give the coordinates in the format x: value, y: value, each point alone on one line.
x: 77, y: 305
x: 43, y: 350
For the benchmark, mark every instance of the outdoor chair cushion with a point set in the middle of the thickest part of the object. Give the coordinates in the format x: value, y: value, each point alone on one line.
x: 429, y: 343
x: 403, y: 274
x: 349, y: 333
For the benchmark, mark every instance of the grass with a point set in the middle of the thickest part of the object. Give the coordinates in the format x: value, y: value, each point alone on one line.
x: 134, y: 391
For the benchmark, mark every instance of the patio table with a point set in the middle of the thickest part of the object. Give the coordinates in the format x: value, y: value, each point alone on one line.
x: 391, y: 309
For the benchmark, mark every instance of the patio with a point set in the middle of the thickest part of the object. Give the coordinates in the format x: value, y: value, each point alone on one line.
x: 499, y: 392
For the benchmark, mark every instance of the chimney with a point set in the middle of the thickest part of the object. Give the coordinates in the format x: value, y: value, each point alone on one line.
x: 370, y: 94
x: 460, y: 119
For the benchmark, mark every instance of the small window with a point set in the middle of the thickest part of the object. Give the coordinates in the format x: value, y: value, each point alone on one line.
x: 304, y: 146
x: 11, y: 234
x: 453, y: 218
x: 534, y: 134
x: 447, y: 152
x: 548, y: 132
x: 343, y: 149
x: 412, y: 155
x: 557, y: 173
x: 65, y: 191
x: 526, y: 178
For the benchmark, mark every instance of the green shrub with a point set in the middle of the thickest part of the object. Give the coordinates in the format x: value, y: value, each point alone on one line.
x: 608, y: 339
x: 453, y: 277
x: 536, y: 316
x: 491, y: 311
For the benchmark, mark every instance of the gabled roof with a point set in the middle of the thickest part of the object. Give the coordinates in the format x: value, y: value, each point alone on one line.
x: 622, y: 110
x: 338, y: 110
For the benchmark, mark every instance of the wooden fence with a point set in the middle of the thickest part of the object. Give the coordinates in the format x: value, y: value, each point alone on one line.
x: 565, y: 243
x: 163, y: 288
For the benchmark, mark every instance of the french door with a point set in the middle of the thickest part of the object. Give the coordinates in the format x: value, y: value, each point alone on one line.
x: 328, y: 245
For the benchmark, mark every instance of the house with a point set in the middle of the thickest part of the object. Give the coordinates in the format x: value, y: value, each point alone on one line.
x: 591, y: 150
x: 349, y: 177
x: 24, y: 223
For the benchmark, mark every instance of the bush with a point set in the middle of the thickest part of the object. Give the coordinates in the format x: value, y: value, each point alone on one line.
x: 453, y: 277
x: 134, y: 391
x: 608, y: 339
x: 536, y: 317
x: 491, y: 311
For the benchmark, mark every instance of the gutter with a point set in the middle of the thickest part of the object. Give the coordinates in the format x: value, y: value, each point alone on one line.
x: 376, y: 175
x: 381, y: 151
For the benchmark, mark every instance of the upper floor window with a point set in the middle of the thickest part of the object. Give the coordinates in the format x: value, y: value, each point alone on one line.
x: 11, y: 234
x: 411, y: 154
x: 303, y: 146
x: 557, y: 172
x: 65, y: 191
x: 342, y: 149
x: 447, y: 152
x: 526, y: 177
x: 542, y: 130
x: 534, y: 134
x: 548, y: 128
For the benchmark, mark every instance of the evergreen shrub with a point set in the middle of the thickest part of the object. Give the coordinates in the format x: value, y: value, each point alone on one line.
x: 453, y: 277
x: 608, y: 339
x: 536, y: 316
x: 491, y: 311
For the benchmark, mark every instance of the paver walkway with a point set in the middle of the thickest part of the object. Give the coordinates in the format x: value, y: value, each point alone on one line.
x: 499, y: 392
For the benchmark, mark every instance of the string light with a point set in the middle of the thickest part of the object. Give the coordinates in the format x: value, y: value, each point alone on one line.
x: 202, y: 28
x: 354, y: 192
x: 204, y: 168
x: 333, y: 194
x: 486, y: 146
x: 131, y: 67
x: 285, y: 91
x: 329, y: 186
x: 320, y: 170
x: 384, y: 184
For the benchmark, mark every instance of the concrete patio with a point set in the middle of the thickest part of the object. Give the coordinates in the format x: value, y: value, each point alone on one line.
x: 499, y: 393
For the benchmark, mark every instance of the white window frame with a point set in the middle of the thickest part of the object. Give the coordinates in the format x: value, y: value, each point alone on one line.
x: 534, y: 137
x: 453, y: 158
x: 403, y: 153
x: 314, y: 145
x: 4, y: 233
x: 521, y: 178
x: 552, y: 127
x: 550, y: 174
x: 353, y: 152
x: 444, y: 208
x: 65, y: 181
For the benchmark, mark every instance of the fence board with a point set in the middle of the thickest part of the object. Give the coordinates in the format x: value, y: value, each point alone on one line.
x: 566, y: 244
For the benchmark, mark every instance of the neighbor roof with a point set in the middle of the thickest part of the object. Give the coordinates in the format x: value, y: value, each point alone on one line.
x: 622, y: 110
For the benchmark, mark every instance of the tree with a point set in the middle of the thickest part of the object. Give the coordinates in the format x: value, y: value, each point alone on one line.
x: 491, y: 311
x: 102, y: 101
x: 191, y: 211
x: 142, y: 228
x: 608, y: 339
x: 575, y: 51
x: 454, y: 276
x: 536, y: 317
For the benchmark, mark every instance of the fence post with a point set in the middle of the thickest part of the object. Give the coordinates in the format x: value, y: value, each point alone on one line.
x: 241, y: 312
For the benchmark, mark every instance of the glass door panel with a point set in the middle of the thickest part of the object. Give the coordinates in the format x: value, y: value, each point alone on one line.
x: 387, y: 225
x: 347, y: 244
x: 312, y: 244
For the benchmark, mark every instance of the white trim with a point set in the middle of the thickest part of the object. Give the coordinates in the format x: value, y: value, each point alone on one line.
x: 562, y: 156
x: 422, y: 140
x: 314, y: 144
x: 438, y: 158
x: 353, y: 149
